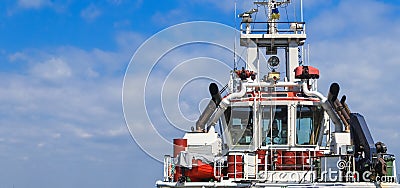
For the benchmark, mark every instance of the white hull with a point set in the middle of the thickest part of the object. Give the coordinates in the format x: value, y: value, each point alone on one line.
x: 162, y: 184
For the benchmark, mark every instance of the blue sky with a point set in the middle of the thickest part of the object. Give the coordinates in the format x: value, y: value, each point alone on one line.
x: 63, y: 63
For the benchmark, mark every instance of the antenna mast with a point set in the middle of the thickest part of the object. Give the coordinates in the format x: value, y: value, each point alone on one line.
x: 273, y: 12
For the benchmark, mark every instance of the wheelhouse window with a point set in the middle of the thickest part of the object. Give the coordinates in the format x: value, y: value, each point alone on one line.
x: 241, y: 125
x: 274, y: 123
x: 308, y: 123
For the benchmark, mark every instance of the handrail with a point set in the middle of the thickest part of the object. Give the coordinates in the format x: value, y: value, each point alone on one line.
x: 218, y: 166
x: 273, y: 22
x: 291, y: 27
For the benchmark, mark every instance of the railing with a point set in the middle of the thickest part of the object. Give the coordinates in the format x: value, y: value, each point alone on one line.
x: 273, y: 27
x: 267, y: 164
x: 235, y: 166
x: 169, y: 168
x: 296, y: 163
x: 219, y: 165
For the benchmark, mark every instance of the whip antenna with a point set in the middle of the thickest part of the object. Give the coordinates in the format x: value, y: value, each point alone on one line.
x: 234, y: 43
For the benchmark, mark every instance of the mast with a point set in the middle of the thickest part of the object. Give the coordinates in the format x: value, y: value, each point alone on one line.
x: 273, y: 38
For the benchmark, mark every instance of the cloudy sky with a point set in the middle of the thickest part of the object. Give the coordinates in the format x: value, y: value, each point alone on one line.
x: 63, y: 64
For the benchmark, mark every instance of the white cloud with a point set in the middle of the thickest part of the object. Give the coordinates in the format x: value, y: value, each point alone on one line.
x: 24, y: 158
x: 66, y: 94
x: 127, y: 42
x: 17, y: 56
x: 52, y: 69
x: 34, y: 4
x: 93, y: 158
x: 225, y: 6
x: 41, y: 144
x: 349, y: 16
x: 56, y: 135
x: 116, y: 131
x: 122, y: 24
x: 66, y: 101
x: 91, y: 12
x: 81, y: 133
x: 92, y: 73
x: 169, y: 18
x: 183, y: 11
x: 115, y: 2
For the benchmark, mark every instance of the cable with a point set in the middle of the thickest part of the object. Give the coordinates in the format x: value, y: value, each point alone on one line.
x: 235, y: 38
x: 294, y: 11
x: 265, y: 12
x: 255, y: 17
x: 287, y: 16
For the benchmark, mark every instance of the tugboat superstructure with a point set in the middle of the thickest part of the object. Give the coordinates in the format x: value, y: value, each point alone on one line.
x: 277, y: 129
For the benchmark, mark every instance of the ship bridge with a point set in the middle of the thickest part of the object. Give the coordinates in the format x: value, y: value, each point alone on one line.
x: 283, y: 122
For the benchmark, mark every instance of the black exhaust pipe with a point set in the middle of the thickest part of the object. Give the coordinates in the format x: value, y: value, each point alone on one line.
x: 210, y: 108
x: 333, y: 93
